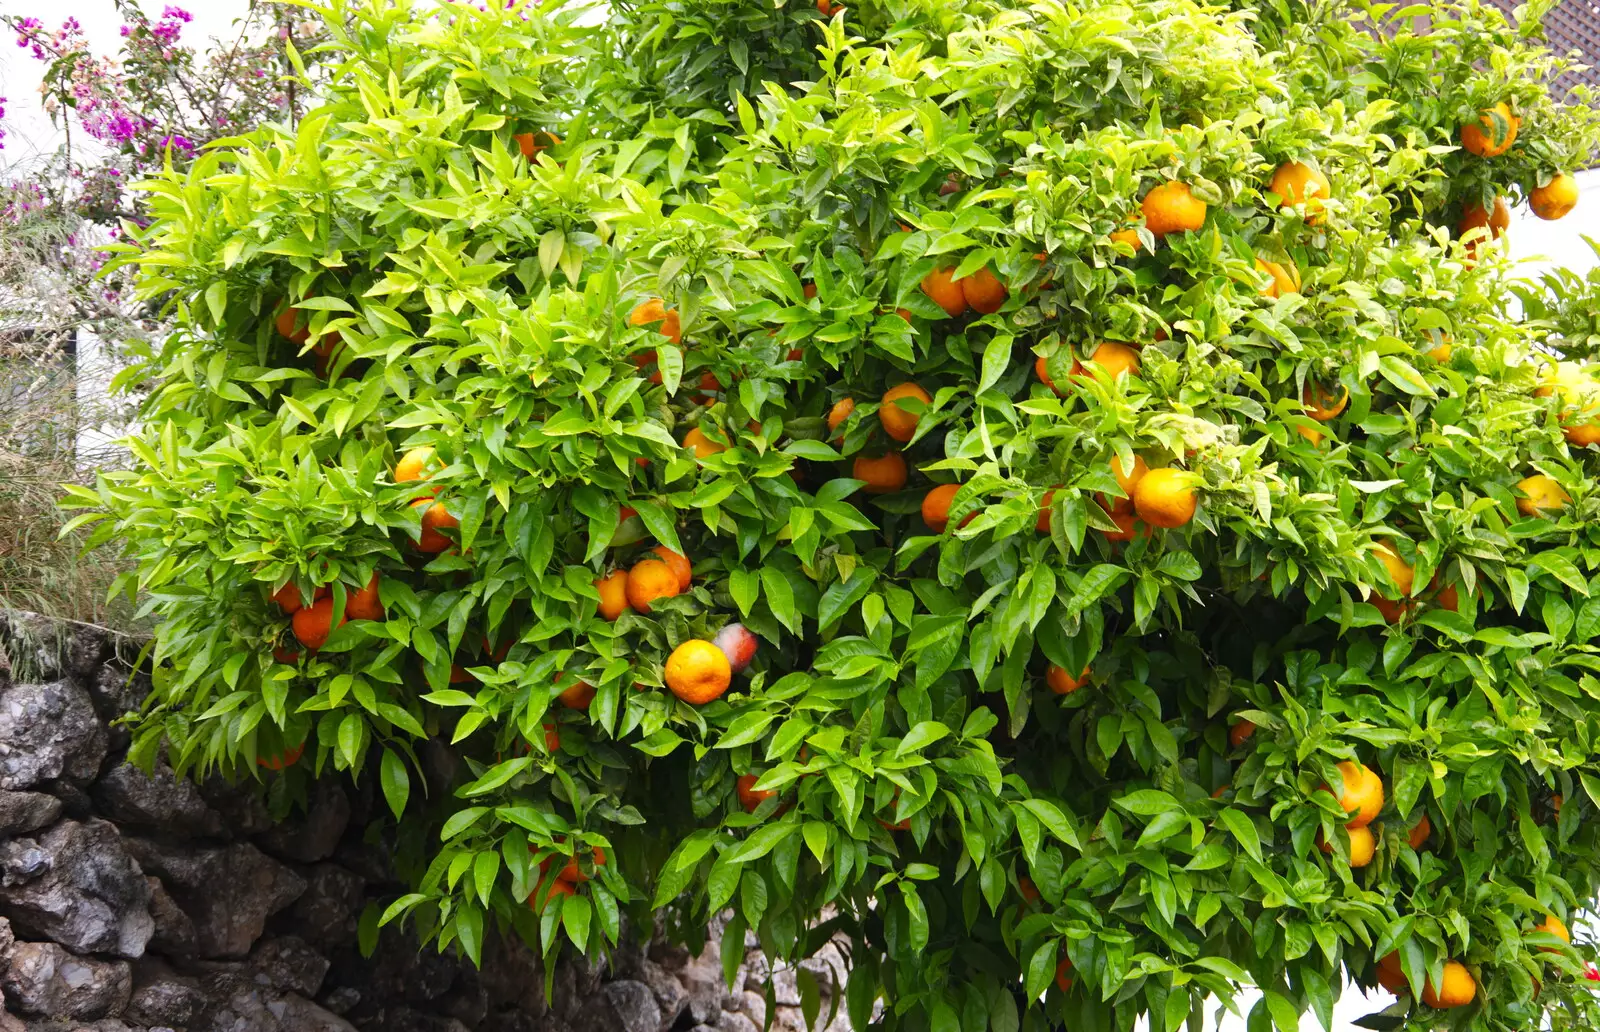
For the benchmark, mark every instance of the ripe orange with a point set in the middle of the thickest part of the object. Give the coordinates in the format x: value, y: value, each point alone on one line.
x: 897, y: 422
x: 1554, y: 199
x: 1390, y: 976
x: 1321, y: 405
x: 1063, y: 979
x: 435, y: 519
x: 653, y: 311
x: 285, y: 325
x: 285, y: 655
x: 1127, y: 527
x: 363, y: 604
x: 1362, y: 796
x: 554, y: 889
x: 1540, y: 493
x: 1240, y: 731
x: 1458, y: 989
x: 679, y: 564
x: 530, y: 144
x: 1496, y: 221
x: 313, y: 624
x: 284, y: 760
x: 576, y: 695
x: 704, y: 447
x: 1399, y: 571
x: 1285, y: 278
x: 613, y: 594
x: 839, y: 413
x: 884, y: 475
x: 1493, y: 133
x: 698, y: 672
x: 573, y: 871
x: 1127, y: 479
x: 749, y: 797
x: 552, y: 738
x: 946, y: 292
x: 984, y: 292
x: 1298, y: 183
x: 1442, y: 351
x: 936, y: 506
x: 1114, y: 357
x: 1172, y: 208
x: 1042, y: 371
x: 1417, y: 837
x: 1582, y: 434
x: 1362, y: 846
x: 1164, y: 498
x: 1125, y: 236
x: 413, y: 465
x: 1556, y: 927
x: 1063, y: 683
x: 1044, y: 511
x: 828, y: 10
x: 648, y: 581
x: 288, y: 598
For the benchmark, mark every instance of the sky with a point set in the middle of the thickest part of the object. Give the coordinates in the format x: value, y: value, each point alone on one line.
x: 28, y: 132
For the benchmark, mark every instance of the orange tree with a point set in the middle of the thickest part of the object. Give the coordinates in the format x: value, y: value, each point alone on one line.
x: 1054, y: 495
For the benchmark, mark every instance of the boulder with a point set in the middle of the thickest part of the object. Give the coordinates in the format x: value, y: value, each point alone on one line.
x: 263, y: 1010
x: 732, y: 1021
x: 326, y: 913
x: 162, y: 997
x: 669, y: 992
x: 49, y: 731
x: 46, y: 980
x: 625, y: 1006
x: 311, y: 836
x: 289, y: 963
x: 159, y: 800
x: 228, y: 892
x: 175, y: 934
x: 78, y: 886
x: 23, y: 812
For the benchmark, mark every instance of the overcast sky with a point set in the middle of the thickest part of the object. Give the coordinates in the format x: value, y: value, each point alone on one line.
x: 28, y: 132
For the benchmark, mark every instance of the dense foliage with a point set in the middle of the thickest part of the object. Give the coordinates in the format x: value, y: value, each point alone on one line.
x: 1056, y: 763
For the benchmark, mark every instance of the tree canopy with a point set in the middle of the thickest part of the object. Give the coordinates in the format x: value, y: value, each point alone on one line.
x: 1216, y: 608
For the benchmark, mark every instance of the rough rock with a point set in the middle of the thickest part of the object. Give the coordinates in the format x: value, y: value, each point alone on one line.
x: 159, y: 800
x: 289, y: 963
x: 405, y: 1019
x: 513, y: 977
x: 117, y: 694
x: 22, y: 812
x: 669, y: 992
x: 624, y: 1006
x: 78, y: 886
x: 240, y: 804
x: 49, y: 731
x: 265, y: 1011
x: 87, y: 651
x: 162, y: 997
x: 44, y: 979
x: 702, y: 980
x: 753, y: 1006
x: 732, y: 1021
x: 313, y: 835
x: 228, y: 892
x: 326, y: 913
x: 175, y: 934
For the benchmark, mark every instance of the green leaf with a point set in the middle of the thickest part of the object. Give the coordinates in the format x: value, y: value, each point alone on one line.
x: 1243, y: 830
x: 396, y: 782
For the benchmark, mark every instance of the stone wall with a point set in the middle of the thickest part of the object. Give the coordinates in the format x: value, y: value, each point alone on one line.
x: 134, y: 903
